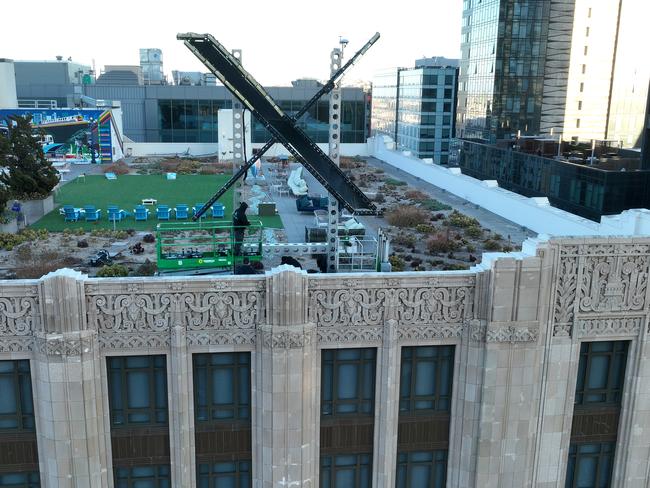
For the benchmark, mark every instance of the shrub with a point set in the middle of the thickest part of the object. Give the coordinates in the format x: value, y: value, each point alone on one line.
x: 8, y: 241
x: 396, y: 262
x: 114, y: 270
x: 425, y: 229
x: 458, y: 219
x: 24, y: 252
x: 169, y: 166
x: 441, y: 243
x: 474, y: 231
x: 491, y: 245
x: 149, y: 238
x: 455, y: 267
x: 82, y: 243
x: 146, y: 269
x: 79, y: 231
x: 379, y: 171
x: 407, y: 216
x: 188, y: 167
x: 497, y: 237
x: 506, y: 248
x: 119, y: 168
x: 394, y: 182
x: 469, y: 248
x: 41, y: 263
x: 434, y: 205
x: 208, y: 170
x: 416, y: 195
x: 380, y: 198
x: 407, y: 240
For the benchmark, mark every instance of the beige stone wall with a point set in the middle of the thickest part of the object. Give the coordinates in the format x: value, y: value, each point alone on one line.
x: 517, y: 322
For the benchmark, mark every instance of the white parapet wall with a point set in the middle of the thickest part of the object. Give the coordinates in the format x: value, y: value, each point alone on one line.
x: 534, y: 213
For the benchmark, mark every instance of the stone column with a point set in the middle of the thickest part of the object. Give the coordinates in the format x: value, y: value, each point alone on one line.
x: 181, y: 411
x: 510, y: 397
x: 286, y: 422
x: 68, y: 395
x: 387, y: 408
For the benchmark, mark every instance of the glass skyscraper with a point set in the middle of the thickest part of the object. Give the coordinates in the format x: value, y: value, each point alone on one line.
x: 503, y: 48
x: 416, y: 107
x: 529, y: 66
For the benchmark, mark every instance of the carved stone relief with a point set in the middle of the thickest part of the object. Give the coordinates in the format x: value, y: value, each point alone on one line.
x: 604, y: 278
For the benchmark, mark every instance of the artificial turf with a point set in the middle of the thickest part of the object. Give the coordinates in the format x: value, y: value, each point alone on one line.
x: 129, y: 190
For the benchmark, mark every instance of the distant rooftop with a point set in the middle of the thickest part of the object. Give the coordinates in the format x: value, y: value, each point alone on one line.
x: 436, y: 61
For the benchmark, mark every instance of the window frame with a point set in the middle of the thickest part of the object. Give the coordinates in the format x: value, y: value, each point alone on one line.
x: 213, y: 477
x: 613, y: 396
x: 334, y: 468
x: 153, y: 410
x: 235, y: 367
x: 22, y: 380
x: 574, y: 457
x: 407, y: 402
x: 405, y: 462
x: 130, y: 479
x: 335, y: 363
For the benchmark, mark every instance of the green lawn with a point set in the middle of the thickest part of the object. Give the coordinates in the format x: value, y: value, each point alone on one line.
x: 128, y: 191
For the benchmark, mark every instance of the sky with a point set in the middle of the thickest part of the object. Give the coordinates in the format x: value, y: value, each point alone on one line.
x: 281, y: 40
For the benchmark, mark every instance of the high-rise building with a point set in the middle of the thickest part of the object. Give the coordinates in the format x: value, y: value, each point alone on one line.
x: 531, y: 66
x: 416, y: 107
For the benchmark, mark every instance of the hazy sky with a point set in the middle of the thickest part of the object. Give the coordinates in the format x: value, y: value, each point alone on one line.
x: 281, y: 39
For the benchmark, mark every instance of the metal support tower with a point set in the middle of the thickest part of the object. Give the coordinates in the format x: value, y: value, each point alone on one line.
x: 336, y: 59
x: 238, y: 141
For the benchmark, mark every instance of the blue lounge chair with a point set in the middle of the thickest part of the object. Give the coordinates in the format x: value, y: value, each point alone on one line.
x: 182, y: 211
x: 70, y: 213
x: 197, y: 207
x: 115, y: 214
x: 141, y: 213
x: 163, y: 212
x: 92, y: 214
x: 218, y: 211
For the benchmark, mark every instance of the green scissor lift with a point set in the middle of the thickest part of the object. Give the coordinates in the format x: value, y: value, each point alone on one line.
x: 204, y: 247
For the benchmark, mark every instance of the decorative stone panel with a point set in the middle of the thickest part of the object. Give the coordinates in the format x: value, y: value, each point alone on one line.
x: 597, y: 285
x: 20, y: 316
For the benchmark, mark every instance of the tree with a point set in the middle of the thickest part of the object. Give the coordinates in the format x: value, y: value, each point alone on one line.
x: 28, y: 173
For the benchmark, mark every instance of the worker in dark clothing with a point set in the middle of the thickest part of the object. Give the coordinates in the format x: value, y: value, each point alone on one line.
x: 292, y: 261
x: 240, y: 222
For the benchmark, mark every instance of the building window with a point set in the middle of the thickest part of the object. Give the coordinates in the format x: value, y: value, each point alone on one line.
x: 142, y: 477
x: 587, y: 32
x: 586, y: 50
x: 577, y: 123
x: 579, y: 104
x: 235, y: 474
x: 590, y: 465
x: 16, y: 402
x: 582, y: 87
x: 346, y: 471
x: 222, y: 386
x: 421, y: 469
x: 601, y: 372
x: 348, y: 381
x: 20, y: 480
x: 425, y: 379
x: 584, y: 69
x: 137, y: 390
x: 589, y: 13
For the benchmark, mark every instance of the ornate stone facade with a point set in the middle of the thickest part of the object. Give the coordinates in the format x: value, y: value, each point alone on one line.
x: 516, y: 322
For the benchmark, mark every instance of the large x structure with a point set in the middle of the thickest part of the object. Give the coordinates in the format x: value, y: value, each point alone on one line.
x: 282, y: 127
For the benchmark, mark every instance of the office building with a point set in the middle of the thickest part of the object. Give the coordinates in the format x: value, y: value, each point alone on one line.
x: 170, y: 113
x: 416, y: 107
x: 528, y: 370
x: 529, y: 67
